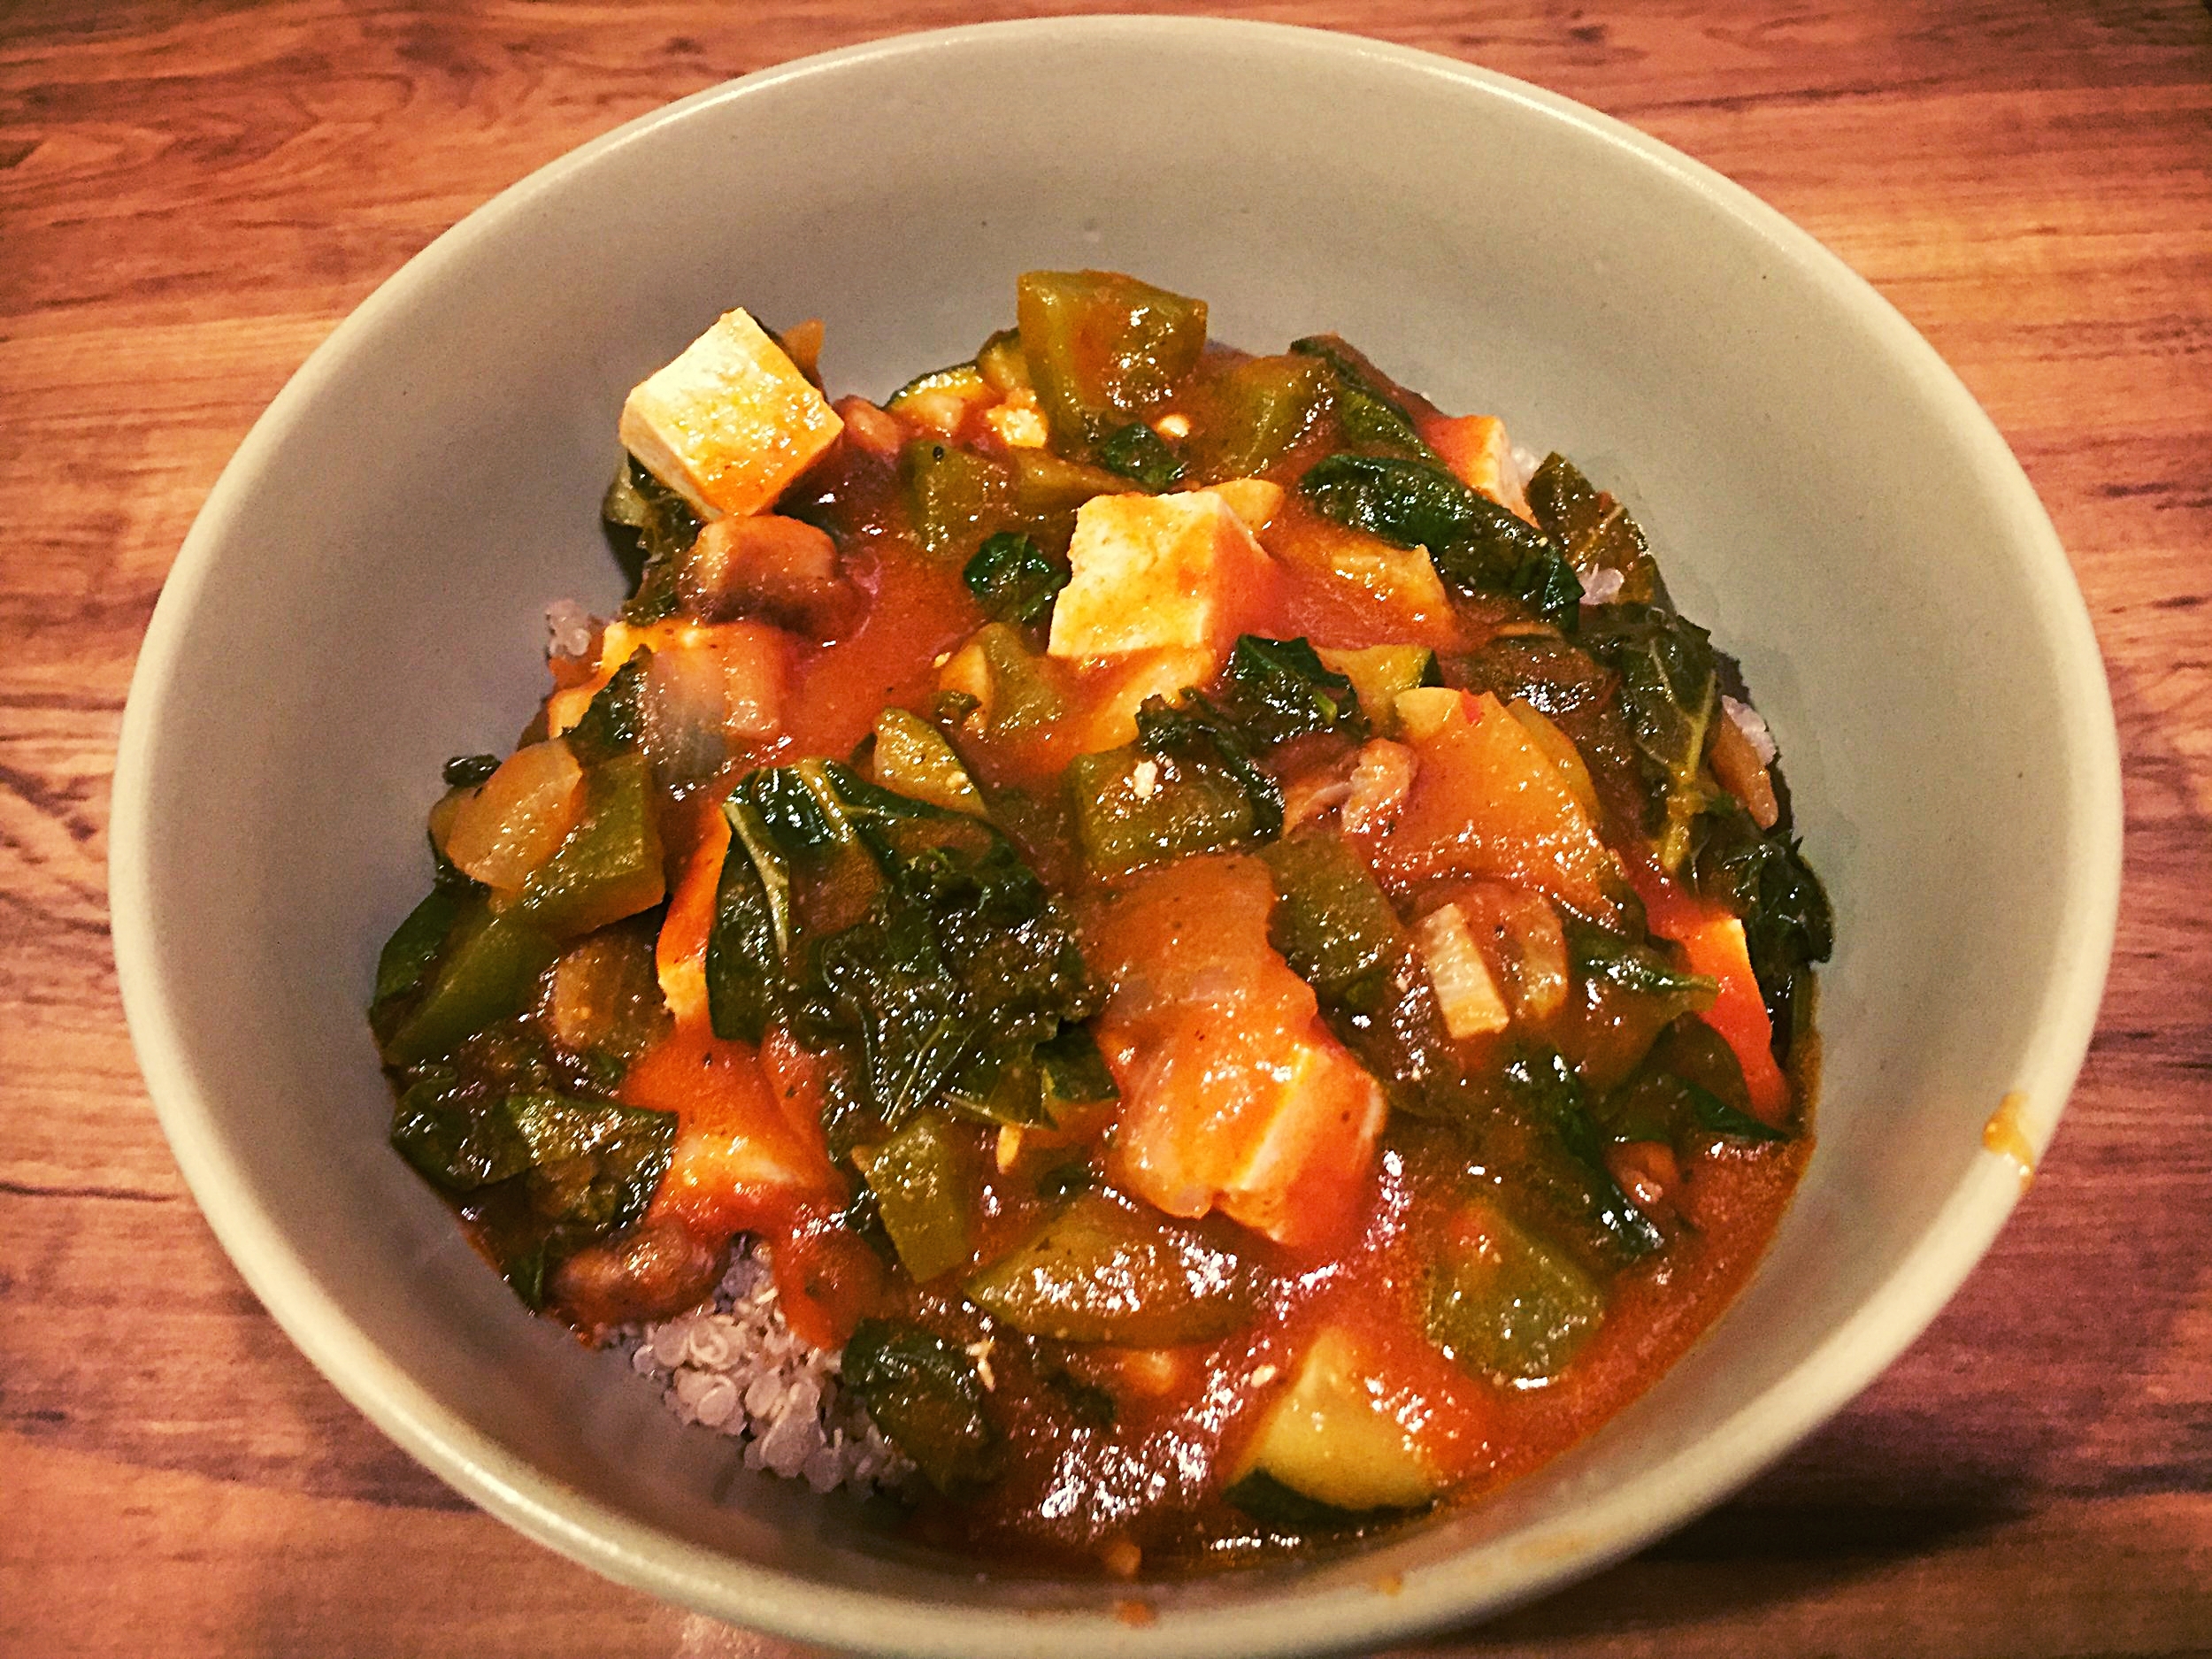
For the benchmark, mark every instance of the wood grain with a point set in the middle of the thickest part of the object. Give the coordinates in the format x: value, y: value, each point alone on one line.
x: 192, y: 195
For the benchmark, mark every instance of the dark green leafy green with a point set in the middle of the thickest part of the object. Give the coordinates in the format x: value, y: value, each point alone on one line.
x: 1476, y: 545
x: 594, y: 1164
x: 1102, y: 347
x: 1368, y: 416
x: 1633, y: 965
x: 1592, y: 529
x: 1670, y: 689
x: 650, y: 528
x: 1541, y: 1084
x: 1196, y: 736
x: 1012, y: 580
x: 403, y: 965
x: 613, y: 722
x: 455, y: 1138
x: 1333, y: 922
x: 925, y: 1395
x: 1764, y: 878
x: 912, y: 942
x: 1135, y: 451
x: 1277, y: 689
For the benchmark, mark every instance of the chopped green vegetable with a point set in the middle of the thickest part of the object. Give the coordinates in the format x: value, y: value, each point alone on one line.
x: 613, y: 723
x: 650, y: 528
x: 1592, y: 529
x: 1012, y: 580
x: 912, y: 758
x: 1670, y: 689
x: 752, y: 929
x: 921, y: 1177
x: 1331, y: 922
x: 488, y: 971
x: 1103, y: 348
x: 953, y: 496
x: 1629, y: 965
x: 1196, y: 738
x: 1366, y: 413
x: 1258, y: 411
x: 1332, y: 1441
x: 1503, y: 1303
x: 1476, y: 545
x: 594, y: 1164
x: 1137, y: 452
x: 1097, y: 1271
x: 456, y: 1138
x: 1764, y: 878
x: 610, y: 866
x: 466, y: 771
x: 1002, y: 364
x: 961, y: 381
x: 1380, y: 672
x: 1277, y: 689
x: 1048, y: 492
x: 1542, y: 1089
x: 1070, y: 1071
x: 1133, y: 808
x: 404, y: 963
x: 1015, y: 686
x: 925, y: 1395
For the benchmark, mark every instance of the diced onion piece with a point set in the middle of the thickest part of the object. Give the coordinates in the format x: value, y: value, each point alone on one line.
x: 1736, y: 763
x: 520, y: 816
x: 1382, y: 777
x: 1466, y: 995
x: 1526, y: 940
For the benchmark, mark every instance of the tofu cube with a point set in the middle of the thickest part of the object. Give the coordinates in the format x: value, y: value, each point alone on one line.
x: 1155, y: 573
x: 730, y: 422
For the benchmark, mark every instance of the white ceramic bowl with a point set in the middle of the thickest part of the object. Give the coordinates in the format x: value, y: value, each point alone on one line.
x: 361, y: 597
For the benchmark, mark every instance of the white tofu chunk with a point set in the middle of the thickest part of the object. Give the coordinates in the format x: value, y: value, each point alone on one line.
x: 730, y: 422
x: 1155, y: 573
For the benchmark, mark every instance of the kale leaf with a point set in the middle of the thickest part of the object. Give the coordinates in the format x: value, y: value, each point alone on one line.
x: 1764, y: 878
x: 1279, y: 689
x: 1366, y: 413
x: 1012, y: 580
x: 1592, y: 529
x: 1476, y: 545
x: 1670, y: 689
x: 1135, y: 451
x: 1199, y: 735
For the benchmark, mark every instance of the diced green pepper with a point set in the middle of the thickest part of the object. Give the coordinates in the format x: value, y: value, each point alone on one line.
x: 610, y: 866
x: 406, y: 961
x: 1133, y: 809
x: 1015, y: 685
x: 1096, y: 1271
x: 1332, y: 921
x: 962, y: 381
x: 1049, y: 491
x: 1256, y: 413
x: 912, y: 758
x: 1103, y: 348
x: 921, y: 1177
x: 488, y: 972
x: 1002, y: 364
x: 953, y: 496
x: 925, y: 1395
x: 593, y: 1165
x: 1505, y: 1304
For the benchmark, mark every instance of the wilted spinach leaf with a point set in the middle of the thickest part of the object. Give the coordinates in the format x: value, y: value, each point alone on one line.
x: 1629, y: 965
x: 925, y: 1395
x: 1197, y: 735
x: 651, y: 528
x: 1764, y: 878
x: 594, y: 1164
x: 612, y: 721
x: 1541, y: 1084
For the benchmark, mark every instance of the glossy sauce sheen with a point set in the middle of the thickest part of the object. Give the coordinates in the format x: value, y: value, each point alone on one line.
x: 1072, y: 1494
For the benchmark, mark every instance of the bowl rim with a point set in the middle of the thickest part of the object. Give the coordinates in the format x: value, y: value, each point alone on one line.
x: 1482, y: 1581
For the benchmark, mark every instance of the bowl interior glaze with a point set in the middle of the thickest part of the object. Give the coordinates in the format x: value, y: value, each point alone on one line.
x: 363, y: 595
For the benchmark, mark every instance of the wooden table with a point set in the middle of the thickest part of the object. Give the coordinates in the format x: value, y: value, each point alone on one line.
x: 192, y: 195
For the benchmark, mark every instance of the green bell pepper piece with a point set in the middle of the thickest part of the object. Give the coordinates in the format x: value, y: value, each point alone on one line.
x: 610, y: 866
x: 1103, y: 348
x: 1133, y: 808
x: 488, y: 972
x: 921, y: 1177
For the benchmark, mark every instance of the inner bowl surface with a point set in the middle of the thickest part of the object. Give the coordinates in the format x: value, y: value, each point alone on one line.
x: 362, y: 597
